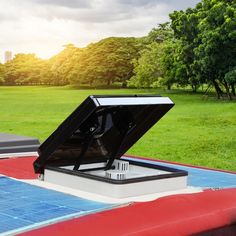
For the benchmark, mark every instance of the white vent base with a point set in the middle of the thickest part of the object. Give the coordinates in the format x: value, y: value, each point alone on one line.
x: 114, y: 190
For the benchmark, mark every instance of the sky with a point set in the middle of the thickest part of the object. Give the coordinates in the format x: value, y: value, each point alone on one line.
x: 44, y: 26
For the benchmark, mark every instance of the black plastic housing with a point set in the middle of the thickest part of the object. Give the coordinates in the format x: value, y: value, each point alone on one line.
x: 102, y: 128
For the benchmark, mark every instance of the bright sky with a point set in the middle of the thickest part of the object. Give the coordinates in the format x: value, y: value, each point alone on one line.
x: 44, y: 26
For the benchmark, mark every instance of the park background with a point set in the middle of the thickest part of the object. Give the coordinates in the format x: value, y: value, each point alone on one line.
x: 191, y: 59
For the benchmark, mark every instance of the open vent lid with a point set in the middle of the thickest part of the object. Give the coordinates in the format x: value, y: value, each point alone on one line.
x: 101, y: 128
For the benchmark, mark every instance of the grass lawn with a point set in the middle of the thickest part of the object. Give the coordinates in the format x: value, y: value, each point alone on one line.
x: 196, y: 131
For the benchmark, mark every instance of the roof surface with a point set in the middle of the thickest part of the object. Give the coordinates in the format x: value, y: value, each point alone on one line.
x: 41, y: 211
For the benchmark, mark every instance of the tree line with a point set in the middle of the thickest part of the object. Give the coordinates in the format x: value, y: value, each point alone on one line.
x: 197, y: 47
x: 103, y: 63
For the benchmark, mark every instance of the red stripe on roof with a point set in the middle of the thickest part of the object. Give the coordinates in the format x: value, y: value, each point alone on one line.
x: 184, y: 214
x: 20, y: 168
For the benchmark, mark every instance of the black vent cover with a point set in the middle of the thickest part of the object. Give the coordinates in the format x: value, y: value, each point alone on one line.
x: 101, y: 128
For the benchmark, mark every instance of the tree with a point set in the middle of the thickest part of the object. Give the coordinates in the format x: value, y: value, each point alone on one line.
x: 215, y: 53
x: 105, y: 62
x: 173, y: 70
x: 148, y: 69
x: 184, y: 25
x: 230, y: 78
x: 161, y: 33
x: 62, y: 65
x: 46, y: 74
x: 23, y: 69
x: 2, y: 69
x: 151, y: 67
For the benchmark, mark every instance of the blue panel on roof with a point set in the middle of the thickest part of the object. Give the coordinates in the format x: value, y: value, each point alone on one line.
x: 24, y: 205
x: 198, y: 177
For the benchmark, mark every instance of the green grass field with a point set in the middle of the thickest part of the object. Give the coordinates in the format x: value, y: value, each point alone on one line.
x: 196, y: 131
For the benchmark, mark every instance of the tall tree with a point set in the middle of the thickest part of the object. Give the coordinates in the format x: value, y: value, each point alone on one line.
x: 23, y: 69
x: 184, y: 25
x: 215, y: 53
x: 105, y: 62
x: 149, y: 68
x: 62, y: 65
